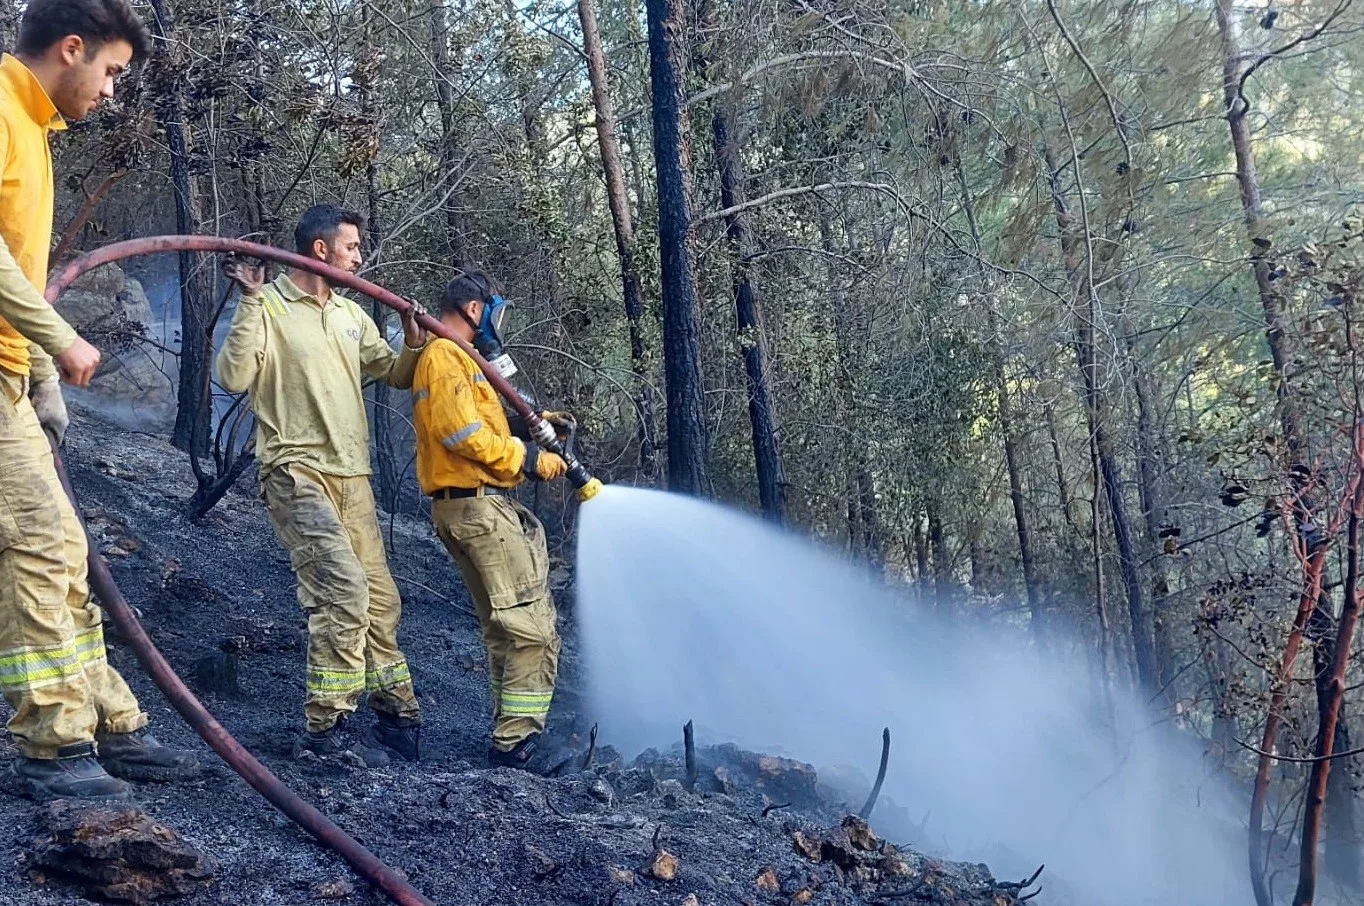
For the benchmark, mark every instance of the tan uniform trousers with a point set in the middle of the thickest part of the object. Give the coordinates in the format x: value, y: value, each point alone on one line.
x: 53, y: 669
x: 330, y: 528
x: 500, y: 549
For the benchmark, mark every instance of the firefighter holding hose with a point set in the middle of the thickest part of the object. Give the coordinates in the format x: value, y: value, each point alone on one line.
x: 75, y: 720
x: 468, y: 458
x: 301, y: 349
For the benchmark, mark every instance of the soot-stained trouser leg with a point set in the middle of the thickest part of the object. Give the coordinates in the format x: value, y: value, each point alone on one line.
x: 500, y: 547
x: 333, y: 589
x: 53, y: 668
x: 387, y: 676
x: 493, y: 642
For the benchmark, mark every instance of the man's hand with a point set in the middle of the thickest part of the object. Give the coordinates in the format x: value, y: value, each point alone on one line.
x: 50, y: 407
x: 550, y: 466
x: 563, y: 420
x: 78, y: 363
x: 248, y: 277
x: 563, y: 423
x: 414, y: 335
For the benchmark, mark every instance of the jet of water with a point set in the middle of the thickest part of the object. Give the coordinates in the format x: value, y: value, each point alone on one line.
x: 692, y: 611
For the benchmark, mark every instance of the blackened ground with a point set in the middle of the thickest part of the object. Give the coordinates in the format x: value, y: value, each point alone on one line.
x: 462, y: 834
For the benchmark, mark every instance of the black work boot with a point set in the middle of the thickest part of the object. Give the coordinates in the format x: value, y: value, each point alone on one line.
x: 400, y: 735
x: 140, y: 756
x: 74, y: 774
x: 337, y: 740
x: 531, y: 754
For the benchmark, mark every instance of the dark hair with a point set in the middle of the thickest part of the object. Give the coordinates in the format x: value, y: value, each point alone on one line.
x: 469, y: 287
x: 321, y: 221
x: 96, y: 22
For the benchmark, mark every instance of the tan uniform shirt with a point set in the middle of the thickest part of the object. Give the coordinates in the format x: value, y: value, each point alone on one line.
x: 302, y: 360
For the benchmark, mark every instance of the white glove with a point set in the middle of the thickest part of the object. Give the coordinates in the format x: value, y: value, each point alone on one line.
x: 46, y: 396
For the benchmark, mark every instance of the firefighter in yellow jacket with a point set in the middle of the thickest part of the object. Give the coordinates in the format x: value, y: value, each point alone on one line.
x: 300, y: 349
x: 467, y: 458
x: 75, y: 721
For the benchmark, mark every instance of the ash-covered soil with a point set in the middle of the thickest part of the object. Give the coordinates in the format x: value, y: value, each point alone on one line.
x: 753, y: 830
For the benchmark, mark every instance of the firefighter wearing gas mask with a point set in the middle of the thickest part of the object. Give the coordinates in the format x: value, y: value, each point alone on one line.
x: 468, y: 458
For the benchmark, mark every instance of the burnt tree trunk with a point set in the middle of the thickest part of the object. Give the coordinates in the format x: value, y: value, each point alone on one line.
x: 618, y: 200
x: 687, y: 432
x: 365, y: 78
x: 194, y: 404
x: 761, y: 413
x: 920, y: 554
x: 1151, y: 465
x: 456, y: 229
x: 1097, y: 407
x: 944, y: 588
x: 1058, y: 462
x: 1106, y: 659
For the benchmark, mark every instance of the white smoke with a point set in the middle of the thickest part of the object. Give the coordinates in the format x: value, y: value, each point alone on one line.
x: 692, y: 611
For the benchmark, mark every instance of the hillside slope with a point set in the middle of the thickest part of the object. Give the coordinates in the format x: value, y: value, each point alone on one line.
x: 754, y: 830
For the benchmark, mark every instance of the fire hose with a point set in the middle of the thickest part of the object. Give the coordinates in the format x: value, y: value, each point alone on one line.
x: 157, y: 667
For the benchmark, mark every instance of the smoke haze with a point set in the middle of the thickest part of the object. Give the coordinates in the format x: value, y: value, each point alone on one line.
x: 693, y: 611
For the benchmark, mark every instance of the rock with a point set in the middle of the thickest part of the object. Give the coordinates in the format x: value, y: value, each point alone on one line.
x: 111, y: 310
x: 691, y: 900
x: 663, y: 866
x: 783, y: 779
x: 333, y: 890
x: 768, y: 881
x: 118, y: 853
x: 671, y: 792
x: 621, y: 876
x: 542, y: 865
x: 802, y: 896
x: 810, y: 849
x: 893, y: 864
x: 860, y: 835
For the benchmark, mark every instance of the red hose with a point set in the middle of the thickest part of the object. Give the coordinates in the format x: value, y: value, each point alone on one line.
x: 62, y: 279
x: 191, y: 709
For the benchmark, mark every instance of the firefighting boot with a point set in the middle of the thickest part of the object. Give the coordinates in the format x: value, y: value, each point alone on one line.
x: 400, y: 735
x: 140, y: 756
x: 531, y: 754
x: 77, y: 775
x: 336, y: 741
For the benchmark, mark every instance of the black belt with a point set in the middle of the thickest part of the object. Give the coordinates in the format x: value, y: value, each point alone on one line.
x: 462, y: 493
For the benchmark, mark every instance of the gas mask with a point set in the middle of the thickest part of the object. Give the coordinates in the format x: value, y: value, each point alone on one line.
x: 488, y: 335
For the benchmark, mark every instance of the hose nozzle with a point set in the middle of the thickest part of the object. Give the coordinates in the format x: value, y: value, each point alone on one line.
x: 591, y: 489
x: 544, y: 434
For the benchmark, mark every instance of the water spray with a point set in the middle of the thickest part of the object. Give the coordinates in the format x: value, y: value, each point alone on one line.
x: 540, y: 431
x: 365, y: 863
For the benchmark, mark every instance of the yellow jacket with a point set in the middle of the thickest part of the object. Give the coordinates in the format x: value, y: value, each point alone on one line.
x: 463, y: 439
x: 27, y: 323
x: 301, y: 360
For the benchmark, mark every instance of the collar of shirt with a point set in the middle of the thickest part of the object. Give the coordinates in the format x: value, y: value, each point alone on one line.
x: 292, y: 293
x: 18, y: 81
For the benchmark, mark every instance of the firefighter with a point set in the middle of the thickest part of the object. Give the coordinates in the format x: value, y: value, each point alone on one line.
x: 467, y: 460
x: 75, y: 720
x: 300, y: 349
